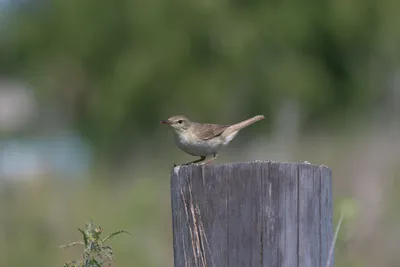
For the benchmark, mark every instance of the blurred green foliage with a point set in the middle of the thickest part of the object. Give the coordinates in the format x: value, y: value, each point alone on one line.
x: 117, y: 67
x: 345, y: 213
x: 37, y: 217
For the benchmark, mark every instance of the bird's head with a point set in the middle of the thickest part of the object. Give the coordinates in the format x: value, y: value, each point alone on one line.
x: 179, y: 123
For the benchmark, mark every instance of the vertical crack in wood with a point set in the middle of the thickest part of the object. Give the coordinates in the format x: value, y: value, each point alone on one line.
x: 278, y: 204
x: 184, y: 250
x: 227, y: 213
x: 320, y: 216
x: 197, y: 233
x: 197, y: 242
x: 189, y: 225
x: 204, y: 186
x: 203, y: 236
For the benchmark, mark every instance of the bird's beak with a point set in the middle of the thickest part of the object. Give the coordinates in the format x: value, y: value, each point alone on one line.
x: 166, y: 122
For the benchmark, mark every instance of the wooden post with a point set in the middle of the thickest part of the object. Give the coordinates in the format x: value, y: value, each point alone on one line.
x: 258, y: 214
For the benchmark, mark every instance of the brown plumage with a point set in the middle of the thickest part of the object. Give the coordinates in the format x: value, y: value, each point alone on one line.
x: 208, y: 131
x: 204, y: 139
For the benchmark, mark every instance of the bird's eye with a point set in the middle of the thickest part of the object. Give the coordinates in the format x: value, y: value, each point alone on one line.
x: 180, y: 121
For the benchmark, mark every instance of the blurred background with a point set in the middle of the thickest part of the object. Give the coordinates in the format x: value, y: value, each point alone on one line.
x: 84, y: 84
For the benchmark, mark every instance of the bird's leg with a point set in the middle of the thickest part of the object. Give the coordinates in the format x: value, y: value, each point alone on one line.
x: 215, y: 155
x: 195, y: 161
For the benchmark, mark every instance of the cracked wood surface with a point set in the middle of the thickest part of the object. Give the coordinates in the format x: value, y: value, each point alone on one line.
x: 258, y: 214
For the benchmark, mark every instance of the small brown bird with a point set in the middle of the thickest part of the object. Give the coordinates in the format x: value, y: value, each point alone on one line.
x: 204, y: 139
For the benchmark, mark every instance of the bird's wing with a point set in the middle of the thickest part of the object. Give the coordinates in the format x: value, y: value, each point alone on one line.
x: 208, y: 131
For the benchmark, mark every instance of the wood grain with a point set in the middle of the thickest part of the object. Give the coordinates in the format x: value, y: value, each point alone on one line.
x: 258, y: 214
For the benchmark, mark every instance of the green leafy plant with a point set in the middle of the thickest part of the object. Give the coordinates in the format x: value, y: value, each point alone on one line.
x: 96, y: 253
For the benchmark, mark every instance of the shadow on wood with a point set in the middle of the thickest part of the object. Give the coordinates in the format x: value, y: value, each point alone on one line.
x: 258, y: 214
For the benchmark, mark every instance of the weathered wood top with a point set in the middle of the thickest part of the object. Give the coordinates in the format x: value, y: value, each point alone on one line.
x: 252, y: 214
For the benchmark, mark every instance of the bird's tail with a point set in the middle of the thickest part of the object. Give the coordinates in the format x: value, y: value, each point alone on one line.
x: 238, y: 126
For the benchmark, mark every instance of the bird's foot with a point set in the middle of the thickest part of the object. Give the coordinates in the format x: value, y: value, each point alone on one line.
x: 215, y: 156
